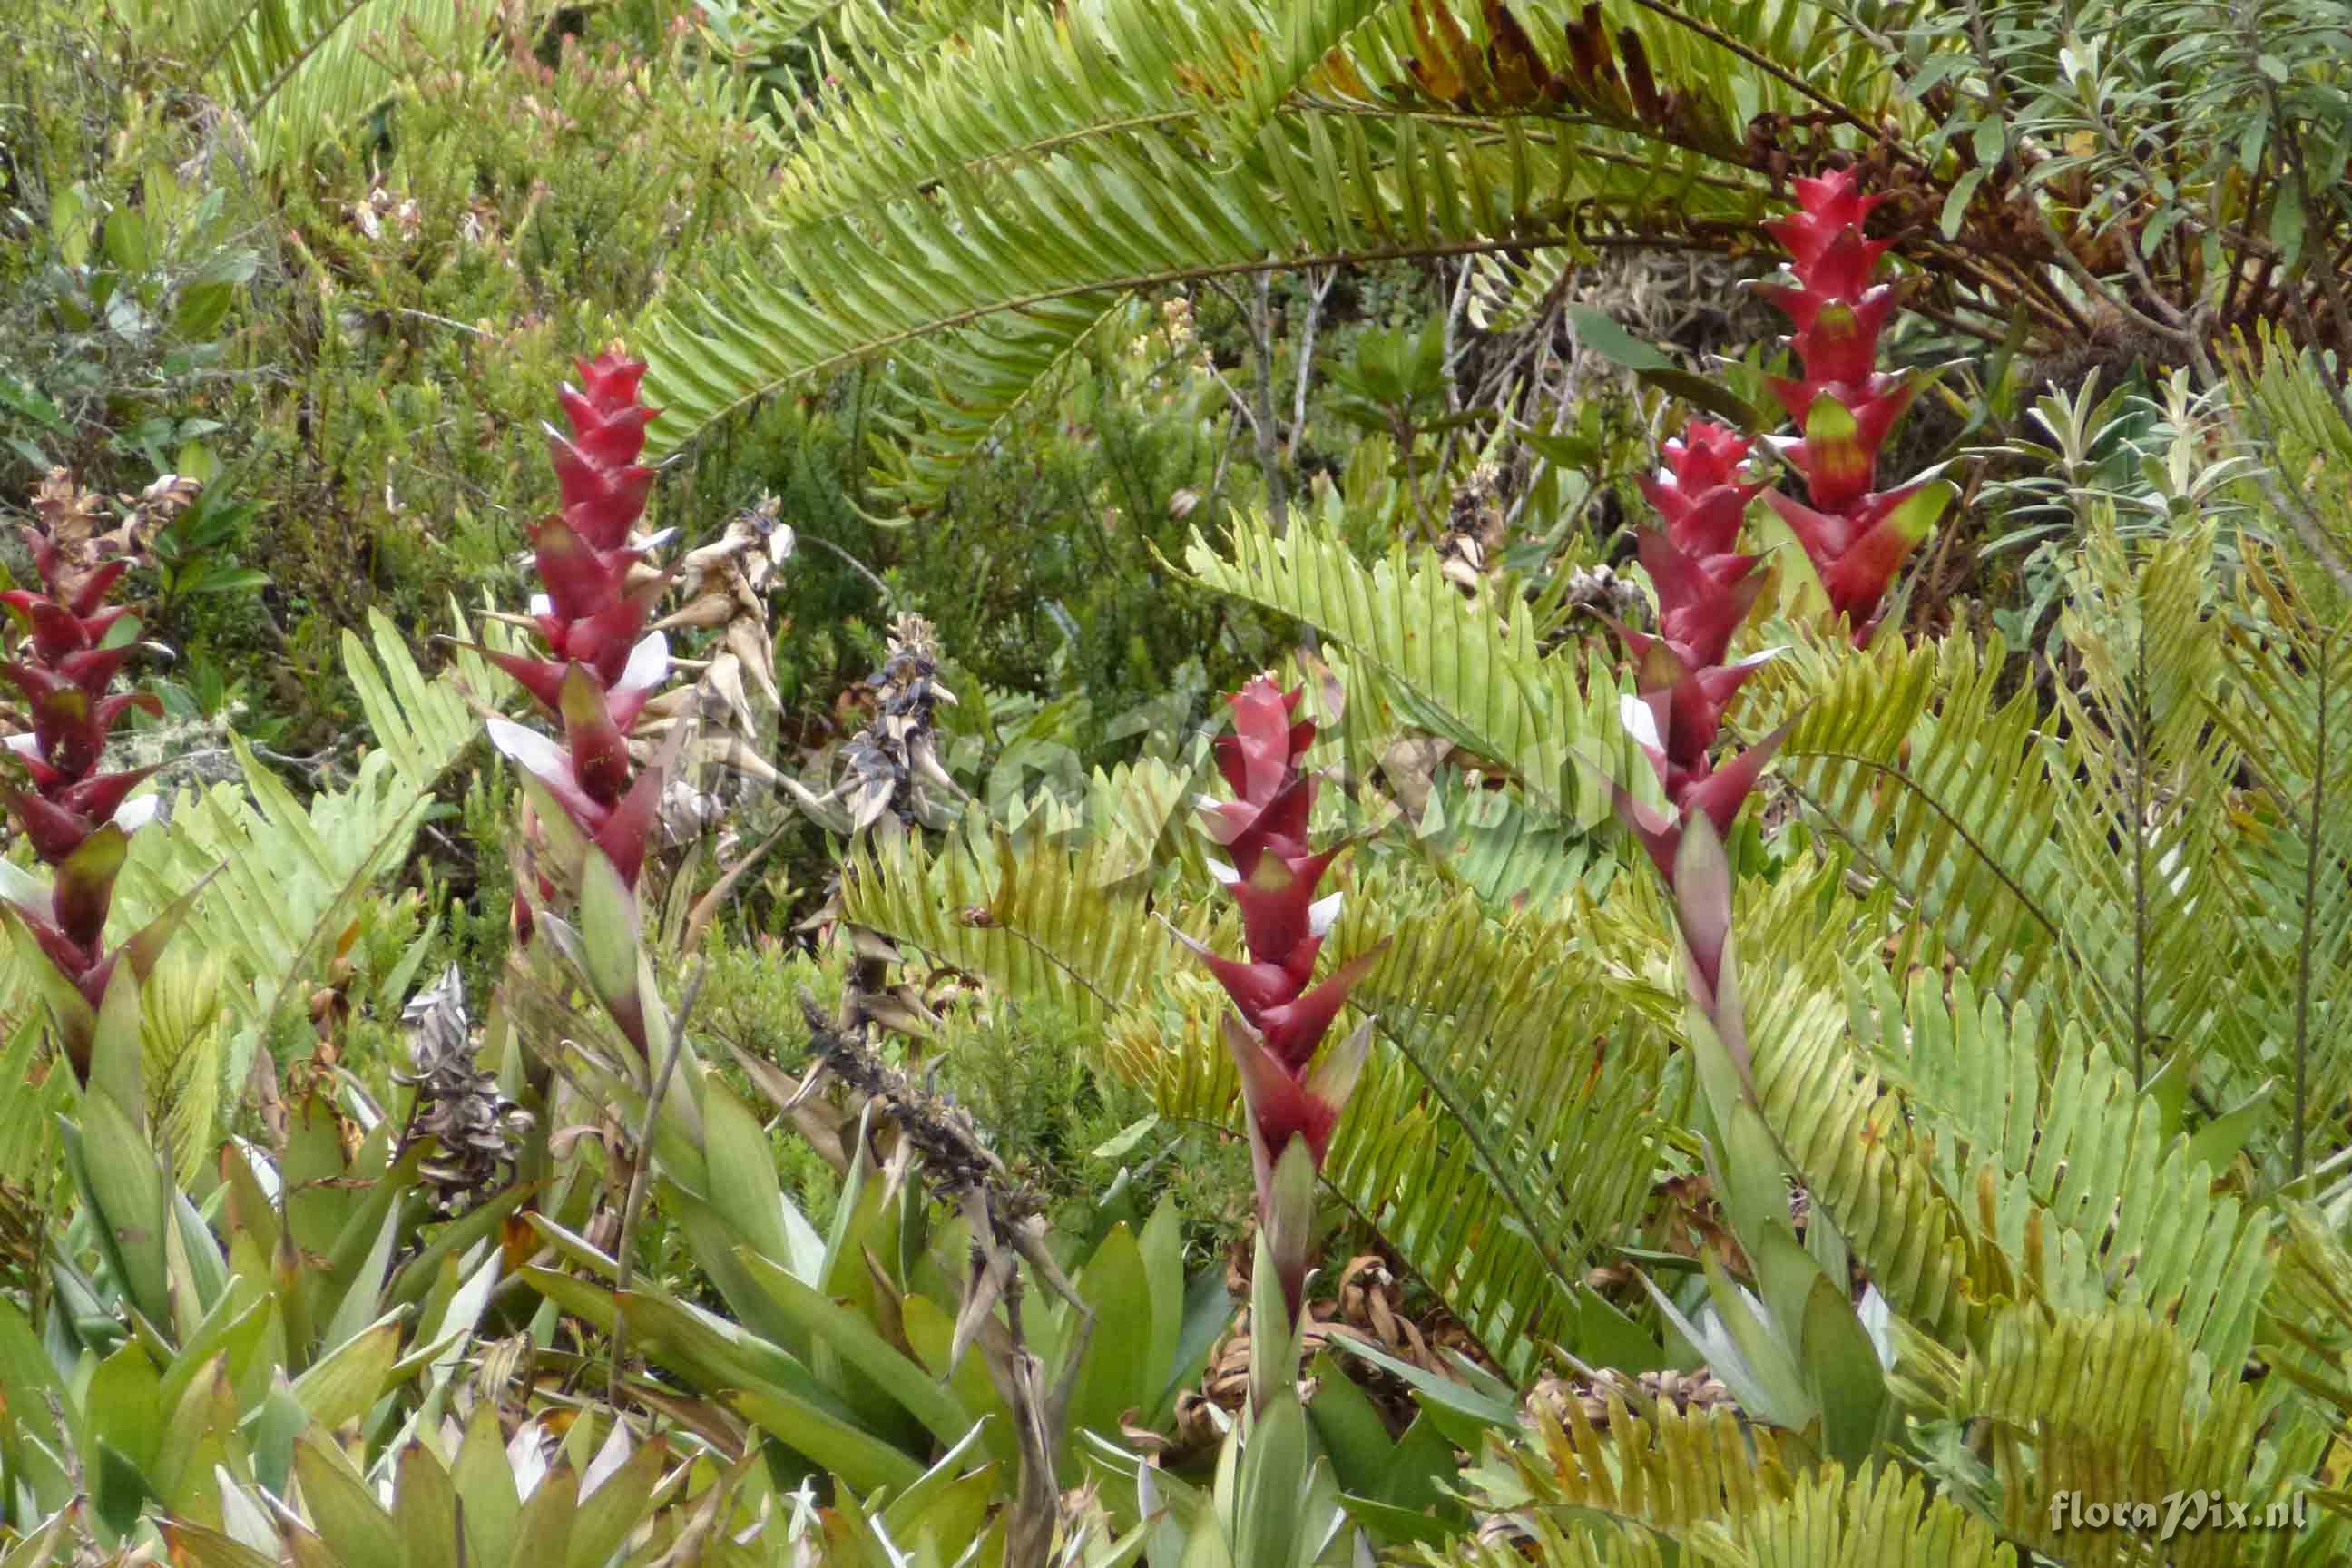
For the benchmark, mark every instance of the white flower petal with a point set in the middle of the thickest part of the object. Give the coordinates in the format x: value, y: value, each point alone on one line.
x: 540, y: 605
x: 134, y: 814
x: 1639, y: 722
x: 1753, y: 660
x: 25, y: 745
x: 529, y: 747
x: 648, y: 664
x: 1323, y: 914
x: 20, y: 887
x: 1223, y: 872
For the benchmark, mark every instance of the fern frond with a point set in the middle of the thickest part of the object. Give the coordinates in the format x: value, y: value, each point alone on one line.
x: 28, y: 1114
x: 1503, y: 1135
x: 2308, y: 1321
x: 1454, y: 667
x: 2110, y: 1405
x: 1669, y: 1475
x: 1505, y: 848
x: 2289, y: 709
x: 2288, y: 394
x: 969, y: 387
x: 303, y: 72
x: 288, y: 877
x: 2072, y: 1170
x: 422, y: 725
x: 1136, y: 209
x: 1035, y: 917
x: 1846, y: 1141
x: 1543, y: 1541
x: 2106, y: 855
x: 913, y: 123
x: 2154, y: 913
x: 1883, y: 1515
x: 1910, y: 756
x: 1505, y: 296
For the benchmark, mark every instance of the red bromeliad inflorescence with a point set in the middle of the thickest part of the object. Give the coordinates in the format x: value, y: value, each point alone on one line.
x: 1856, y: 535
x: 1280, y: 1018
x: 602, y: 666
x: 78, y: 820
x: 1705, y: 588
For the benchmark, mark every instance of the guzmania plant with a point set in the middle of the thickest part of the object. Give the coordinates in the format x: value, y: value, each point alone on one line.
x: 602, y: 667
x: 1293, y: 1100
x: 78, y: 818
x: 1856, y: 535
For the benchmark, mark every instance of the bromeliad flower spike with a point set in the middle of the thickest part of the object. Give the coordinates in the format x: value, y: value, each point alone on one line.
x: 1279, y: 1018
x: 1856, y: 534
x: 78, y: 820
x: 601, y: 667
x: 1681, y: 685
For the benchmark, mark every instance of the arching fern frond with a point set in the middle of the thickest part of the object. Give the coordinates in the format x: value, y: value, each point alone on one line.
x: 907, y: 123
x: 2110, y: 1404
x: 1911, y: 756
x: 959, y: 394
x: 1454, y: 667
x: 2071, y: 1170
x: 1115, y: 213
x: 1036, y: 919
x: 1671, y: 1476
x: 302, y: 72
x: 1845, y: 1139
x: 1503, y: 1135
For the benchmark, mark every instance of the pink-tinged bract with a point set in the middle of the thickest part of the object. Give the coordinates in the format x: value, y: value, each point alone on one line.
x: 593, y: 619
x: 1280, y: 1018
x: 78, y: 820
x: 1845, y: 409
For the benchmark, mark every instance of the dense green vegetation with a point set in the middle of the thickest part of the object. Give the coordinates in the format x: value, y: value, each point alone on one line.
x: 1210, y: 784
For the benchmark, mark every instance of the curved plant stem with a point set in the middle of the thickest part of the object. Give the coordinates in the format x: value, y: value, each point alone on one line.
x: 624, y: 1249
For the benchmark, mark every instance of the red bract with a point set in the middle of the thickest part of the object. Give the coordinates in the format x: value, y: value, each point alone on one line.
x: 1281, y: 1018
x: 1706, y: 589
x: 76, y: 819
x: 1844, y: 407
x: 1682, y: 684
x: 601, y: 670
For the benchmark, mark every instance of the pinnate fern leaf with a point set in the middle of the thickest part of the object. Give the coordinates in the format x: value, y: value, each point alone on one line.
x: 1453, y: 666
x: 305, y: 71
